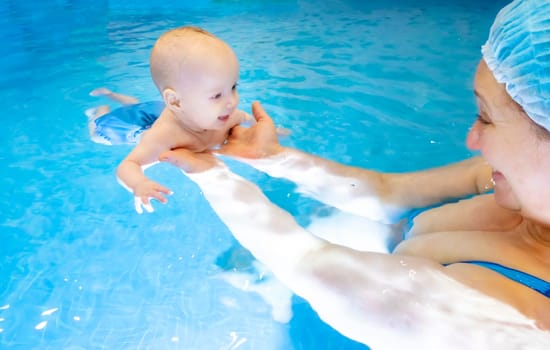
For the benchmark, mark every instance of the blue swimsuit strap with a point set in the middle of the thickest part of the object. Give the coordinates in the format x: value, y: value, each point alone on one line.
x: 526, y: 279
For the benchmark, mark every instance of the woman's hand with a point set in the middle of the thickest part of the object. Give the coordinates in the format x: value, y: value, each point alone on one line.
x: 258, y: 141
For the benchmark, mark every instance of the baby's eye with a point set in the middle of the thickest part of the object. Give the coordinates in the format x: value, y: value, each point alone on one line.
x: 216, y: 96
x: 234, y: 87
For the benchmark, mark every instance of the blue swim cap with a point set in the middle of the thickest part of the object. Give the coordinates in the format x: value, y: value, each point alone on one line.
x: 518, y: 54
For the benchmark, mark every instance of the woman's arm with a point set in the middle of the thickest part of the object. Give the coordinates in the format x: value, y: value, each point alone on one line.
x: 384, y: 301
x: 378, y: 196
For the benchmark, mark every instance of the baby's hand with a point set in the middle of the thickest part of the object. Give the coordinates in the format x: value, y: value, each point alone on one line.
x: 146, y: 191
x: 248, y: 120
x: 245, y: 118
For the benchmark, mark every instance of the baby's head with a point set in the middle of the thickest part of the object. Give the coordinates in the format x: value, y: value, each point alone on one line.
x: 196, y: 74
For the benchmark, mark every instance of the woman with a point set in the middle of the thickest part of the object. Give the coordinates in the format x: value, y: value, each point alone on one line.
x: 495, y: 243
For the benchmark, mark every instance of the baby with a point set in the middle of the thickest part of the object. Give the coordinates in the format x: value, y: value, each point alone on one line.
x: 196, y: 74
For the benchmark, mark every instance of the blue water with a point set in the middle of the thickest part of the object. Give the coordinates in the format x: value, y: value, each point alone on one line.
x: 379, y: 84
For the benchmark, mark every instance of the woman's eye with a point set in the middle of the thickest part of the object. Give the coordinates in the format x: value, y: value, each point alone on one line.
x: 482, y: 120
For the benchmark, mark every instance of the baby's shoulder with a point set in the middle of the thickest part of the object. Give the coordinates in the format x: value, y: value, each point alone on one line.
x: 163, y: 131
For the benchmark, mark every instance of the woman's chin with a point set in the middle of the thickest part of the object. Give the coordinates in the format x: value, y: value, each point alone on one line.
x: 506, y: 199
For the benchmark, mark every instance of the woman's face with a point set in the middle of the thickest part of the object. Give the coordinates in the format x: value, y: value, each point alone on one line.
x: 508, y: 141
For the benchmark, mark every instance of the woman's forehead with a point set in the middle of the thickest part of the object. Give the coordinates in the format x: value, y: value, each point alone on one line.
x: 488, y: 89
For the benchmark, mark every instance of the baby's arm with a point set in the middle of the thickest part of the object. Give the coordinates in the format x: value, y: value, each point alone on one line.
x: 130, y: 171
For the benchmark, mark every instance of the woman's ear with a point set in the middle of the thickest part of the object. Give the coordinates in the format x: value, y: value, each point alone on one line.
x: 171, y: 99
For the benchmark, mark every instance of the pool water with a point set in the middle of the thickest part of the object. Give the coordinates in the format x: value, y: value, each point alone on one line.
x: 378, y: 84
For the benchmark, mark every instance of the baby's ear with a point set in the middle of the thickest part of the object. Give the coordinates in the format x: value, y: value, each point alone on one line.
x: 171, y: 99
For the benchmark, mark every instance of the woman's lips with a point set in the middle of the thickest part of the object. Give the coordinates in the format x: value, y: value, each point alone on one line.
x: 497, y: 175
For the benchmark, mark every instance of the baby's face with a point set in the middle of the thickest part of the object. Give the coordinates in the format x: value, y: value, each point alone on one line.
x: 208, y: 90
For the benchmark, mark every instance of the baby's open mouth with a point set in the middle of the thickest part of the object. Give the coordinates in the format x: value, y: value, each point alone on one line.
x: 223, y: 118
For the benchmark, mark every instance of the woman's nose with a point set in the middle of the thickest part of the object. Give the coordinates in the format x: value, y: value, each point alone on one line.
x: 472, y: 139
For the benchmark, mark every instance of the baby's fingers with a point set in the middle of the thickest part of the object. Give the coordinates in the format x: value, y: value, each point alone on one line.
x: 159, y: 192
x: 140, y: 203
x: 144, y: 201
x: 162, y: 189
